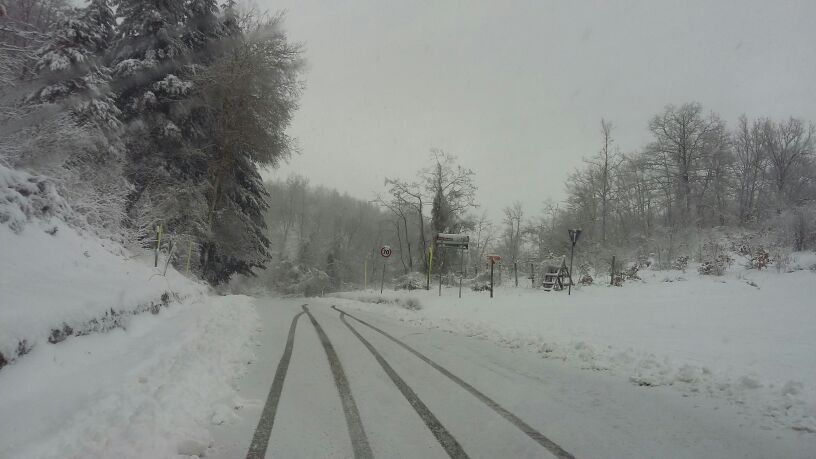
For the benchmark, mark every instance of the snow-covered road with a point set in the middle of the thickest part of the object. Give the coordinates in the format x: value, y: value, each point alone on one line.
x: 362, y: 385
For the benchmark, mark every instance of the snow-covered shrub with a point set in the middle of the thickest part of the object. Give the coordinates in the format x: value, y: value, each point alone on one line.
x: 584, y: 274
x: 24, y: 197
x: 680, y: 263
x: 644, y: 261
x: 760, y: 258
x: 482, y: 281
x: 781, y: 259
x: 714, y: 259
x: 410, y: 281
x: 631, y: 273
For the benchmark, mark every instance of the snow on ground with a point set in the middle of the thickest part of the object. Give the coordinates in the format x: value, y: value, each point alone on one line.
x: 150, y: 390
x: 69, y: 278
x: 144, y: 380
x: 54, y: 276
x: 752, y: 345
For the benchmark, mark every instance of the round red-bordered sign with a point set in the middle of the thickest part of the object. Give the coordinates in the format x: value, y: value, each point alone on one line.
x: 385, y: 251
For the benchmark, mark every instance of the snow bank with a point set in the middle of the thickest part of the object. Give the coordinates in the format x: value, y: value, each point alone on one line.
x: 748, y: 337
x: 150, y: 390
x: 56, y: 280
x: 403, y: 300
x: 150, y: 385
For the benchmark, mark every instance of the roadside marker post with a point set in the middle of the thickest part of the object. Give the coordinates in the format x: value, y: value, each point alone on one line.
x: 493, y: 259
x: 574, y: 234
x: 461, y: 270
x: 385, y: 252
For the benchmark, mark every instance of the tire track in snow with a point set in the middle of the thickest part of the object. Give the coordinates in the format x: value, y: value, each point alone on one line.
x: 445, y: 438
x: 540, y: 438
x: 359, y: 441
x: 260, y: 440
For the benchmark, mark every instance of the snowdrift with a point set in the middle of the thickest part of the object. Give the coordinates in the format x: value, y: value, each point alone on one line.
x: 57, y: 280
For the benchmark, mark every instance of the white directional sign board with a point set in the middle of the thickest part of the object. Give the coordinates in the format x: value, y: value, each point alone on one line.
x: 385, y: 251
x: 452, y: 240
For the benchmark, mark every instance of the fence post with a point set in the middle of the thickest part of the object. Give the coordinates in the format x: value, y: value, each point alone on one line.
x: 382, y: 279
x: 491, y: 277
x: 612, y: 275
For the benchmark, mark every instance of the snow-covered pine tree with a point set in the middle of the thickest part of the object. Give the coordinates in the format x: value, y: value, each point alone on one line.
x: 70, y: 71
x: 76, y: 135
x: 149, y: 65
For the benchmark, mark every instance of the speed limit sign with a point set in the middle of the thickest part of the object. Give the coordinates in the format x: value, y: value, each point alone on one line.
x: 385, y: 251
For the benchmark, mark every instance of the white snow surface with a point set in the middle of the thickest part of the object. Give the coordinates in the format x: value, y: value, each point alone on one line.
x: 752, y: 345
x: 150, y: 390
x: 148, y: 387
x: 70, y: 278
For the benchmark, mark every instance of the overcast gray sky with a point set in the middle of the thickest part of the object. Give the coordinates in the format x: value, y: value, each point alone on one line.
x: 517, y: 89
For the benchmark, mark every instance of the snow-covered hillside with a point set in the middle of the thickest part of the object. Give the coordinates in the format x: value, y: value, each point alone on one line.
x: 749, y: 336
x: 101, y: 354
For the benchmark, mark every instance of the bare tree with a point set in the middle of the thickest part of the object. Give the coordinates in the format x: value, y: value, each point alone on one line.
x: 399, y: 209
x: 409, y: 195
x: 513, y: 217
x: 789, y: 144
x: 682, y: 138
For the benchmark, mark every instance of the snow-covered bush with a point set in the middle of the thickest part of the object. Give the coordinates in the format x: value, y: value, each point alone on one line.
x: 410, y: 281
x: 584, y: 274
x: 781, y: 259
x: 24, y: 197
x: 680, y: 263
x: 631, y: 273
x: 714, y: 259
x: 760, y: 258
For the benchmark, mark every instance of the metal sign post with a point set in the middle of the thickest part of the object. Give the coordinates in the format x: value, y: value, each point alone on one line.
x: 385, y: 252
x: 461, y: 270
x: 574, y: 234
x: 456, y: 241
x: 493, y: 259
